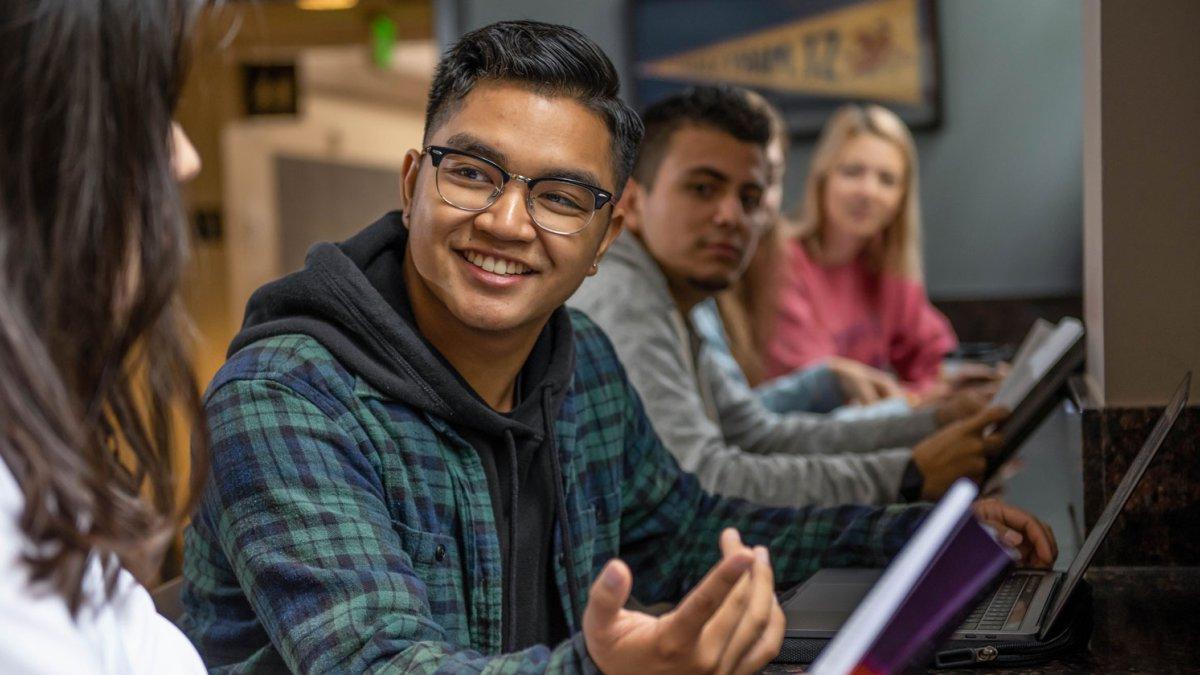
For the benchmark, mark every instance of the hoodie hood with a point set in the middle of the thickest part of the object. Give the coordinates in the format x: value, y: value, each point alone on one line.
x: 351, y: 298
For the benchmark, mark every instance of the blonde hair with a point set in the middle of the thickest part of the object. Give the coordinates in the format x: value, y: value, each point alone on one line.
x: 898, y: 249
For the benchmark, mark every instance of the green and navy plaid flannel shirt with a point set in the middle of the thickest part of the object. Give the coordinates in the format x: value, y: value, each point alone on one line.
x: 345, y: 532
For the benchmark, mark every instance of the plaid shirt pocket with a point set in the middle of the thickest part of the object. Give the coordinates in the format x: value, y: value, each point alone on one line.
x: 437, y: 565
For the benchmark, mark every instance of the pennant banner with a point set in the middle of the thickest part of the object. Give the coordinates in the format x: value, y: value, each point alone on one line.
x: 870, y: 50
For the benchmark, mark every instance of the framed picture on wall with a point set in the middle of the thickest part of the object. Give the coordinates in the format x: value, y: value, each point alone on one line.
x: 806, y: 56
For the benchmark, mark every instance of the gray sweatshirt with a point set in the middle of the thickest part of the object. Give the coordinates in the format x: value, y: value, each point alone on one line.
x: 716, y: 427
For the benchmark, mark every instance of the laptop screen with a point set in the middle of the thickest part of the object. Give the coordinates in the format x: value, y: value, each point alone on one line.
x: 1128, y: 483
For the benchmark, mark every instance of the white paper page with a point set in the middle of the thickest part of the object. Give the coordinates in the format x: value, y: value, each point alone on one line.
x: 863, y: 627
x: 1033, y: 339
x: 1028, y: 371
x: 1006, y: 395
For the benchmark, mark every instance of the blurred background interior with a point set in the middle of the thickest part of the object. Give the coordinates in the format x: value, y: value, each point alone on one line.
x: 302, y: 111
x: 303, y: 117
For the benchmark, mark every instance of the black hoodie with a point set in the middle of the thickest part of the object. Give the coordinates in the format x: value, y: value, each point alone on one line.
x: 351, y: 298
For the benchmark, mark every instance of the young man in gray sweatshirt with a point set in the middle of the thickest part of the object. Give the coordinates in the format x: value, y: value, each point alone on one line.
x: 693, y: 210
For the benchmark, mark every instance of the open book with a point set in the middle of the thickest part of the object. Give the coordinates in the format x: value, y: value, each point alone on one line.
x: 1044, y: 346
x: 1040, y: 368
x: 923, y: 595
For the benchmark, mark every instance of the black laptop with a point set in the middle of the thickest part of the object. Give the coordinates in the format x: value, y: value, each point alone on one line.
x: 1021, y: 616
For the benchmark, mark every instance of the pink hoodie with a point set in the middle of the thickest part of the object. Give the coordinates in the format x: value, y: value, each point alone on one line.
x: 881, y: 320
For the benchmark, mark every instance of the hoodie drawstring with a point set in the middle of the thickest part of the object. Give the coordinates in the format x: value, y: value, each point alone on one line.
x: 560, y: 507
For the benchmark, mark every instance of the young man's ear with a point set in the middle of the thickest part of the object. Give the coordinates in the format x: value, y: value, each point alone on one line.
x: 408, y: 182
x: 630, y: 206
x: 615, y: 224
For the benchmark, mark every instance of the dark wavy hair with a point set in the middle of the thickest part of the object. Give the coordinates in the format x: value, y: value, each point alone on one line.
x: 550, y: 60
x: 94, y: 371
x: 725, y: 108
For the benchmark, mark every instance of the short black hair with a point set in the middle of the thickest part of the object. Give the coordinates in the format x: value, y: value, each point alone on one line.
x: 549, y: 59
x: 724, y: 108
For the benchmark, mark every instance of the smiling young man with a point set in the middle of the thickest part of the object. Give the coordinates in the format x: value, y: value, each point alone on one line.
x: 693, y: 213
x: 421, y: 459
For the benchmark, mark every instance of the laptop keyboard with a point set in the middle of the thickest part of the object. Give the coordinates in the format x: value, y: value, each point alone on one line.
x: 993, y: 612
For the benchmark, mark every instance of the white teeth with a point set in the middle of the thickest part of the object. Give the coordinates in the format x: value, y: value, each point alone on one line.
x: 503, y: 267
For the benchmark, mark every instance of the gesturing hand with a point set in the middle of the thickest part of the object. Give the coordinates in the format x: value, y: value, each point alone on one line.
x: 960, y: 449
x: 730, y: 622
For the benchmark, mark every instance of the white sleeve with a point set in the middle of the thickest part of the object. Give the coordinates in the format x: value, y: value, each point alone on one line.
x: 38, y: 634
x: 152, y: 643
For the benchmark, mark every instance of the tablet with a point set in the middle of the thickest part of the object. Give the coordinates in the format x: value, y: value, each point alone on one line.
x: 1038, y: 379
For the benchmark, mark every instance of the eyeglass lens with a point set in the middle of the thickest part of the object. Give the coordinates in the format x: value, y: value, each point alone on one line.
x: 474, y: 185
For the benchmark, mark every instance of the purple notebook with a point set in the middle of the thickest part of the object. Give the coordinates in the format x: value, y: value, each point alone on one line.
x: 923, y: 595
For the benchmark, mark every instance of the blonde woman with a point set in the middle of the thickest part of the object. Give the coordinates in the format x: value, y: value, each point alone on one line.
x: 852, y: 284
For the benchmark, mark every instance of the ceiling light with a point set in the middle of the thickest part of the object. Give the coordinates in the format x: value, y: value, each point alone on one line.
x: 326, y: 4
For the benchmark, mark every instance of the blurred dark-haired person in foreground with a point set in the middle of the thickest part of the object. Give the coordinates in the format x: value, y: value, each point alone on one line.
x: 92, y: 354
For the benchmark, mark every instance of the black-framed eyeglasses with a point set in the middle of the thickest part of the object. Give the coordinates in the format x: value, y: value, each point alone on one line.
x: 473, y: 183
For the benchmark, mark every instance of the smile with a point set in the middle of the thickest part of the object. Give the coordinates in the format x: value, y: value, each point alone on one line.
x: 495, y: 265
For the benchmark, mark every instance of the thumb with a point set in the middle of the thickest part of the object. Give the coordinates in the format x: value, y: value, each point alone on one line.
x: 607, y: 596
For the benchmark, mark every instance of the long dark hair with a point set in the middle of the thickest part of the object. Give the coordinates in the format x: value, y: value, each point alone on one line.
x: 94, y: 372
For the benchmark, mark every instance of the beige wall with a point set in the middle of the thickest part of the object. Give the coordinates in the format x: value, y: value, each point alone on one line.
x: 330, y: 51
x: 331, y: 130
x: 237, y: 33
x: 1142, y: 197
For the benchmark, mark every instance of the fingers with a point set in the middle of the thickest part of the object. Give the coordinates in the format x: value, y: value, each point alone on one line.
x: 606, y: 598
x: 977, y: 399
x: 869, y: 392
x: 1032, y: 530
x: 863, y: 384
x: 959, y: 406
x: 966, y: 374
x: 755, y: 620
x: 992, y: 444
x: 722, y: 628
x: 858, y: 390
x: 983, y: 419
x: 1044, y: 545
x: 699, y: 606
x: 1018, y: 528
x: 985, y: 392
x: 730, y: 542
x: 1010, y: 536
x: 885, y: 387
x: 1049, y: 531
x: 767, y: 648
